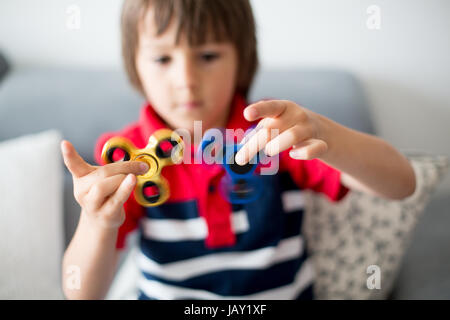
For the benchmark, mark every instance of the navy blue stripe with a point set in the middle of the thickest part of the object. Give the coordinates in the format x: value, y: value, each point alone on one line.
x: 180, y: 210
x: 286, y: 182
x: 307, y: 294
x: 167, y: 252
x: 240, y: 282
x: 174, y: 210
x: 143, y: 296
x: 293, y: 223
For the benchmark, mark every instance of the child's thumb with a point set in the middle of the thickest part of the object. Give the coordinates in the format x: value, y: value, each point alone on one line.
x: 73, y: 161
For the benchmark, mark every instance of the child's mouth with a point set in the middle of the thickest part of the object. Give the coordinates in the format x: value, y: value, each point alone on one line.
x: 191, y: 105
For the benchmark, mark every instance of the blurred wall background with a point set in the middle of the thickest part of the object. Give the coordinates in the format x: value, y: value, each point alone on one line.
x: 404, y: 65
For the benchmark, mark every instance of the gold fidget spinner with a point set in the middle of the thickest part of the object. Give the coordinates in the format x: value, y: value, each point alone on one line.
x: 164, y: 148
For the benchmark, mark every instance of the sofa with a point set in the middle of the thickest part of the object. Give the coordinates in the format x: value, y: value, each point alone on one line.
x: 83, y: 103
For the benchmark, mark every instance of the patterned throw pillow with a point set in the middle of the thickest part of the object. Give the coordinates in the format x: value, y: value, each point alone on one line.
x: 363, y: 236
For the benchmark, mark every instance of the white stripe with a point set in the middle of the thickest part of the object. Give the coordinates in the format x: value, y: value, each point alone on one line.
x: 190, y: 229
x: 303, y: 279
x: 287, y: 249
x: 293, y: 200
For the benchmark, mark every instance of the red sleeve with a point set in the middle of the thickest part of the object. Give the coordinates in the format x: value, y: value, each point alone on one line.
x: 315, y: 175
x: 133, y: 210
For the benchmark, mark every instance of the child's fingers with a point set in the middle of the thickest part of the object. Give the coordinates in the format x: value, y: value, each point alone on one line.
x: 255, y: 143
x: 263, y: 109
x: 116, y: 200
x: 101, y: 190
x: 73, y: 161
x: 117, y: 168
x: 287, y: 139
x: 309, y: 149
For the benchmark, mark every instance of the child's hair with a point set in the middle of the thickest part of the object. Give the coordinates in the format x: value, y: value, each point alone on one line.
x: 224, y: 20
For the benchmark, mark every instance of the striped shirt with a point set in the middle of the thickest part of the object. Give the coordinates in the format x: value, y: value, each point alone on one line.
x: 199, y: 246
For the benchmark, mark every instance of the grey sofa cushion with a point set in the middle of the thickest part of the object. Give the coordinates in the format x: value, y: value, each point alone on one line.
x: 335, y: 94
x: 82, y: 104
x: 4, y: 67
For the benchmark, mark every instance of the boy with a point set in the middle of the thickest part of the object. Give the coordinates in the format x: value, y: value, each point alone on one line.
x: 194, y: 60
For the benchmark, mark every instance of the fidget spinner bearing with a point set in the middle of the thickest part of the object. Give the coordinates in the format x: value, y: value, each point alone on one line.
x: 240, y: 184
x: 164, y: 148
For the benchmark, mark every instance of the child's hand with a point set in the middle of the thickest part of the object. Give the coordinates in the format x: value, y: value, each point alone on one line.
x: 101, y: 191
x: 297, y: 126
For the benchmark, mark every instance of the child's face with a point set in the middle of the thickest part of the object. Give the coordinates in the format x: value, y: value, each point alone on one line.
x: 185, y: 83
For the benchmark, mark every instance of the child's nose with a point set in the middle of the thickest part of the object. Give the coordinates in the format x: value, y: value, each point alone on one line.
x: 186, y: 74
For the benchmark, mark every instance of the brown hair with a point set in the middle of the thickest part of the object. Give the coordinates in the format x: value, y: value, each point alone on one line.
x: 229, y: 20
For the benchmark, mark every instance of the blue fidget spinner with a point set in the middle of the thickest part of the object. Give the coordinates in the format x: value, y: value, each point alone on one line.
x: 240, y: 184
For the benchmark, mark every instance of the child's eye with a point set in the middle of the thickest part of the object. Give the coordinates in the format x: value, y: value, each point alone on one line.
x: 163, y: 60
x: 209, y: 56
